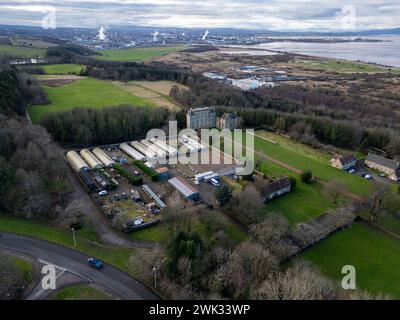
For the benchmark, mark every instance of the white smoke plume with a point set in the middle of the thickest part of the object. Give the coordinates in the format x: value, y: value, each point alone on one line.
x: 102, y: 34
x: 155, y: 36
x: 206, y: 35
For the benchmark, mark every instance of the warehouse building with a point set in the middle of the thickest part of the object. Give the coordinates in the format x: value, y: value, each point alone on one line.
x: 77, y: 162
x: 93, y: 162
x: 189, y: 192
x: 103, y: 157
x: 132, y: 152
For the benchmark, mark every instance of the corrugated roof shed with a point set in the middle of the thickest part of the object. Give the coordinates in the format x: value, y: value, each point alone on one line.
x: 183, y: 187
x: 155, y: 197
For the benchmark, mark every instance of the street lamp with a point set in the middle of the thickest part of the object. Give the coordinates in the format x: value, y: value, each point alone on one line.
x: 155, y: 277
x: 73, y: 236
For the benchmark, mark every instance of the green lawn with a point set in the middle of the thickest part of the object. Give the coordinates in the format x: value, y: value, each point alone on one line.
x: 137, y: 54
x: 25, y: 267
x: 63, y: 68
x: 344, y: 66
x: 306, y: 202
x: 80, y: 292
x: 114, y: 255
x: 303, y: 157
x: 161, y: 234
x: 24, y: 52
x: 375, y: 255
x: 88, y: 92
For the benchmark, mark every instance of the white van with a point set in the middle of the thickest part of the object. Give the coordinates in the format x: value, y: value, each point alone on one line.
x: 215, y: 182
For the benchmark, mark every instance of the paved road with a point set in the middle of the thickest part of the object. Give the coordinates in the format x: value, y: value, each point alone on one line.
x: 109, y: 277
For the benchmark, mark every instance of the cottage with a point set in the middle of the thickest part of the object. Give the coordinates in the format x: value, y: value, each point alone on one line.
x: 276, y: 189
x: 344, y: 162
x: 382, y: 164
x: 395, y: 176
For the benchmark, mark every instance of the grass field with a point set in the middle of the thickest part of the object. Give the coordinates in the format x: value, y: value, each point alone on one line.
x: 80, y: 292
x: 306, y: 202
x: 63, y: 68
x: 137, y: 54
x: 375, y: 255
x: 156, y: 92
x: 90, y: 93
x: 25, y: 267
x: 161, y: 234
x: 344, y: 66
x: 114, y: 255
x: 23, y: 52
x: 305, y: 158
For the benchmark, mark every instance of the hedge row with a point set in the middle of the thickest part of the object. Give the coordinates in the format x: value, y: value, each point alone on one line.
x: 134, y: 180
x: 148, y: 171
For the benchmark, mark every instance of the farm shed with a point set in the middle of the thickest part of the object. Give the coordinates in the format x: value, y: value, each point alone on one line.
x: 189, y: 192
x: 103, y: 157
x: 76, y: 161
x: 163, y: 173
x: 93, y: 162
x: 132, y: 152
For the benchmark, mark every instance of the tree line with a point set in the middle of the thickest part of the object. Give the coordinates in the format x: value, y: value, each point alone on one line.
x: 88, y: 127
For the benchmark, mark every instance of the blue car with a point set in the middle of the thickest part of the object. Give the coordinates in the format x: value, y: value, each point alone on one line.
x: 95, y: 263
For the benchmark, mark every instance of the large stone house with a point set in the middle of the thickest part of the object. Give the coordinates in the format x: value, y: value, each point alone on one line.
x: 276, y: 189
x: 201, y: 118
x: 344, y: 162
x: 382, y: 164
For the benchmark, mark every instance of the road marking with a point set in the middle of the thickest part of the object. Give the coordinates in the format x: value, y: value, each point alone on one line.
x: 64, y: 269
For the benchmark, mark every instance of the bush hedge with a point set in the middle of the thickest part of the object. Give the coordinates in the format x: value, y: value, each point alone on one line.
x: 134, y: 180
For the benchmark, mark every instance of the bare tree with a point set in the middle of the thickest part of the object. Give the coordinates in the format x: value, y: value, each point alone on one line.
x: 248, y: 205
x: 300, y: 282
x: 335, y: 189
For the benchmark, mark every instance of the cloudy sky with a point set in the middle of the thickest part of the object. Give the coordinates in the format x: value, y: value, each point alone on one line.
x: 253, y: 14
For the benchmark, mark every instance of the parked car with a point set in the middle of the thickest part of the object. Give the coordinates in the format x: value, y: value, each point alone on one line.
x: 95, y: 263
x: 138, y: 221
x: 103, y: 193
x: 368, y: 177
x: 382, y: 175
x: 352, y: 170
x: 196, y: 182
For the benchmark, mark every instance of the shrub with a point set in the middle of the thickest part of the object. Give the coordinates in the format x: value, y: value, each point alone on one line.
x: 134, y: 180
x: 306, y: 176
x: 150, y: 172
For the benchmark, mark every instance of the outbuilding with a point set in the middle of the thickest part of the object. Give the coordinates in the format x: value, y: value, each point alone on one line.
x: 189, y: 192
x: 103, y: 157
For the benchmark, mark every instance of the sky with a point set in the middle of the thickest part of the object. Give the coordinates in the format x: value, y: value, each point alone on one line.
x: 281, y: 15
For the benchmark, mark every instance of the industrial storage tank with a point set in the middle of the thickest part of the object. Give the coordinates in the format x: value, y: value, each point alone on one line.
x: 132, y: 152
x: 93, y: 162
x: 76, y: 161
x: 103, y: 157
